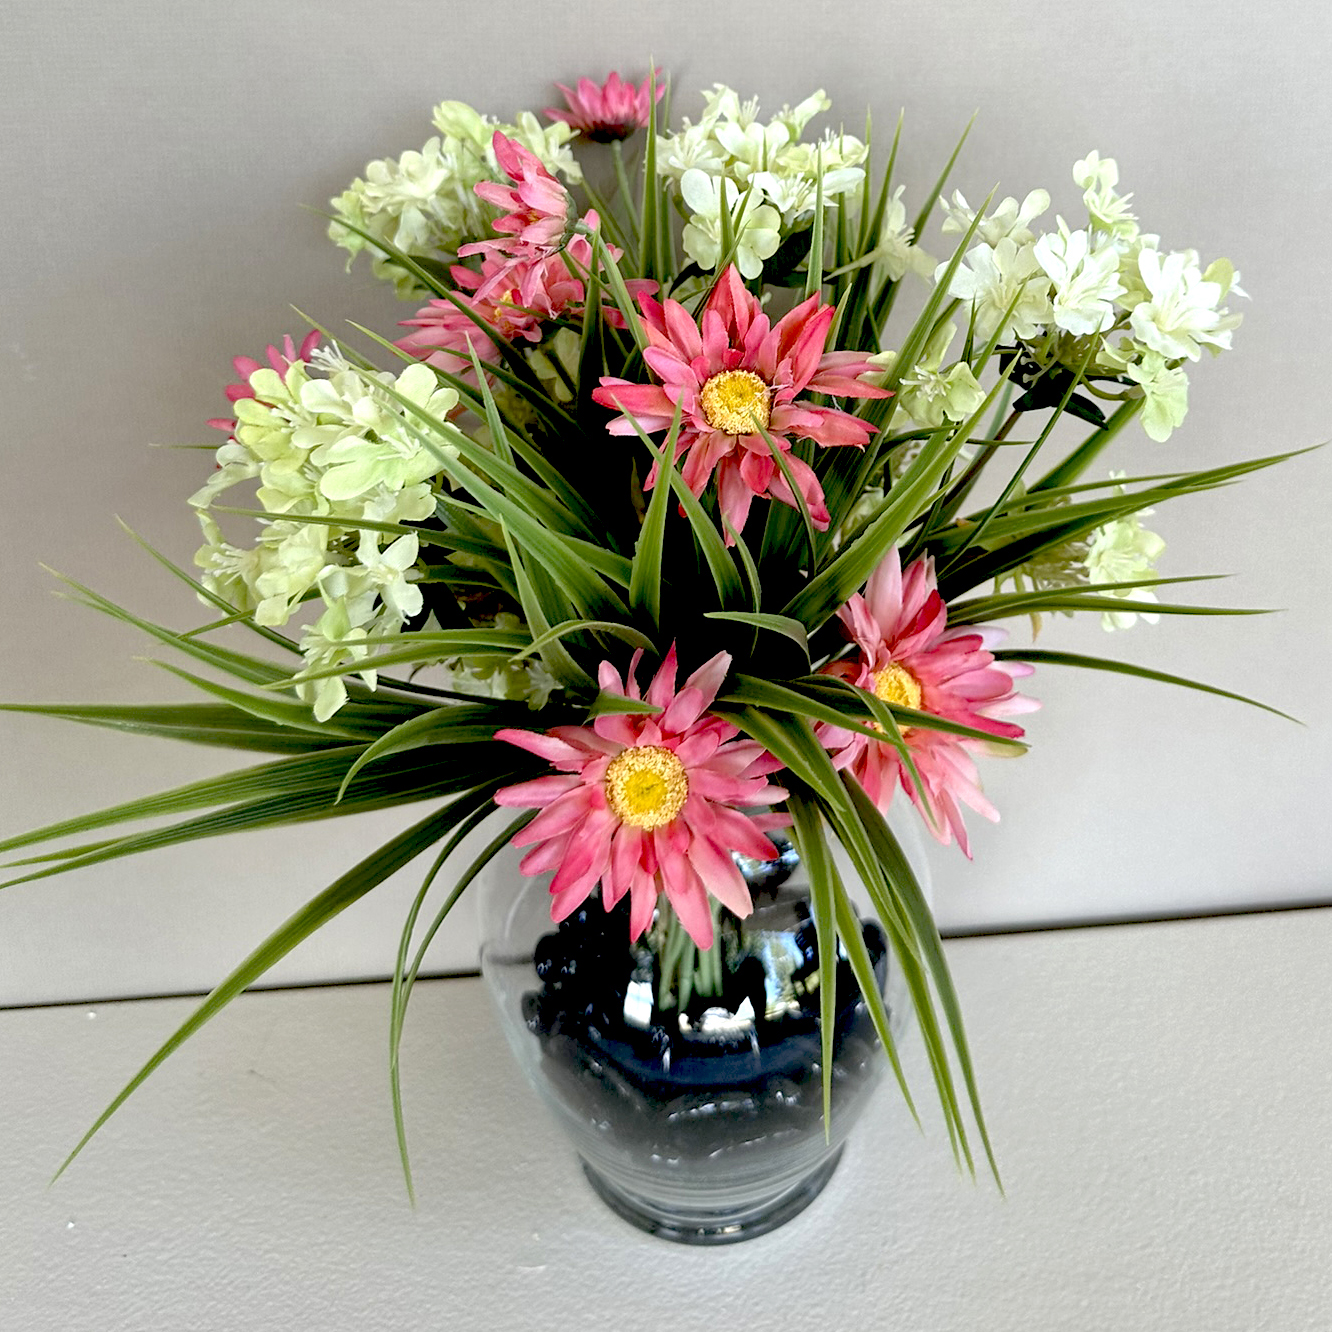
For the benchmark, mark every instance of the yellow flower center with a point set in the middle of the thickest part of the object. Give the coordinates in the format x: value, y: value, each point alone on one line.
x: 646, y: 786
x: 734, y: 400
x: 896, y: 685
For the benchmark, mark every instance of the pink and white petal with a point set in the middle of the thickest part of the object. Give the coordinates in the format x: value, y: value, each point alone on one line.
x: 642, y: 904
x: 662, y: 688
x: 626, y: 857
x: 803, y: 475
x: 539, y: 792
x: 709, y: 677
x: 720, y: 876
x: 734, y: 497
x: 883, y: 594
x: 739, y: 832
x: 683, y: 331
x: 588, y: 856
x: 544, y: 858
x: 548, y: 747
x: 620, y: 728
x: 561, y: 817
x: 685, y: 892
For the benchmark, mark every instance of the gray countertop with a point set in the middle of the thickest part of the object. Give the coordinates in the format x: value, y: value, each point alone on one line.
x: 1159, y: 1097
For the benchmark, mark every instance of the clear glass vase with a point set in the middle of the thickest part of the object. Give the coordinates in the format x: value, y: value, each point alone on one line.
x: 697, y: 1109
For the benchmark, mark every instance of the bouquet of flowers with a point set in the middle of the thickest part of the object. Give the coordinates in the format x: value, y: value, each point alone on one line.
x: 684, y: 507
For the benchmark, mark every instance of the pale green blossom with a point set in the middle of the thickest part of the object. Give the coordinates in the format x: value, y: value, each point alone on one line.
x: 343, y: 447
x: 1181, y: 314
x: 781, y: 175
x: 1120, y: 551
x: 1008, y: 220
x: 376, y: 441
x: 929, y: 394
x: 1085, y: 277
x: 1123, y: 551
x: 332, y: 641
x: 525, y: 681
x: 326, y: 446
x: 424, y: 203
x: 795, y: 118
x: 386, y: 573
x: 990, y: 278
x: 1165, y: 388
x: 293, y: 556
x: 753, y: 225
x: 896, y: 252
x: 1097, y: 177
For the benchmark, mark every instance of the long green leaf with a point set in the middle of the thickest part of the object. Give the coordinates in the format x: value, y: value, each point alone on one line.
x: 480, y: 808
x: 774, y: 624
x: 198, y: 723
x: 979, y: 609
x: 263, y: 780
x: 570, y: 627
x: 813, y: 850
x: 645, y: 579
x: 398, y: 781
x: 1042, y: 657
x: 206, y: 594
x: 403, y: 987
x: 554, y: 655
x: 339, y: 895
x: 723, y: 571
x: 454, y: 724
x: 297, y: 716
x: 912, y: 900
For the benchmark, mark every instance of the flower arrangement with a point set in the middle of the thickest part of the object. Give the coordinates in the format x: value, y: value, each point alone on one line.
x: 683, y: 509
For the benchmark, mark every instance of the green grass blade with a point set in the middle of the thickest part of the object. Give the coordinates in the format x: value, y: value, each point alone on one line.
x: 339, y: 895
x: 400, y: 780
x: 454, y: 724
x: 480, y: 806
x: 569, y: 627
x: 902, y: 878
x: 775, y: 624
x: 813, y: 851
x: 297, y: 716
x: 645, y: 578
x: 262, y: 780
x: 270, y: 635
x: 1042, y: 657
x: 197, y: 723
x: 403, y: 991
x: 554, y: 655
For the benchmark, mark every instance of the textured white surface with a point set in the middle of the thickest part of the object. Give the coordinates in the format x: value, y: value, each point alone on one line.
x: 1158, y: 1097
x: 158, y: 156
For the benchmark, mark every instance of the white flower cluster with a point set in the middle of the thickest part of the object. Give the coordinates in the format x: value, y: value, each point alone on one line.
x: 1148, y: 311
x: 340, y: 448
x: 766, y: 177
x: 1120, y: 551
x: 930, y: 394
x: 525, y: 681
x: 424, y: 203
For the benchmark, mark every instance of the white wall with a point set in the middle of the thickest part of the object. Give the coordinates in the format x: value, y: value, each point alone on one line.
x: 156, y: 159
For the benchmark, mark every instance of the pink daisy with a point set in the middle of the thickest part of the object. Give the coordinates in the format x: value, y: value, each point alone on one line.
x: 737, y: 369
x: 281, y: 360
x: 612, y: 111
x: 909, y: 657
x: 648, y: 804
x: 515, y: 297
x: 540, y: 214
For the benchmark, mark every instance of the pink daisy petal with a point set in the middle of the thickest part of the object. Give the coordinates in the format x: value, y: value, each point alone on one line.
x: 909, y: 657
x: 599, y: 821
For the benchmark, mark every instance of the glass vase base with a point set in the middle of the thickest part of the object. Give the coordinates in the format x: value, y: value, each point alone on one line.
x: 713, y: 1225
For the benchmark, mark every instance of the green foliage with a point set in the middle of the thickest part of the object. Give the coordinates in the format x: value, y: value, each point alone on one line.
x: 539, y: 555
